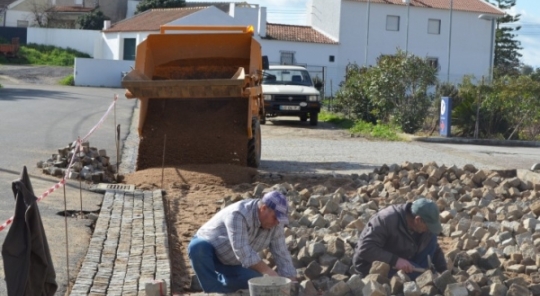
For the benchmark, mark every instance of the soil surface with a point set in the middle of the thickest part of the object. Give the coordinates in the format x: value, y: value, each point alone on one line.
x: 194, y: 193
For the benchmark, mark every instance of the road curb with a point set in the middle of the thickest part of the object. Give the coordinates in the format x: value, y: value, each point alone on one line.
x: 469, y: 141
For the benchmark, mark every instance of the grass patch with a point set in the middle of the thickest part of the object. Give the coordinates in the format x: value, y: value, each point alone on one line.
x: 336, y: 119
x: 68, y: 80
x: 366, y: 129
x: 378, y: 131
x: 35, y: 54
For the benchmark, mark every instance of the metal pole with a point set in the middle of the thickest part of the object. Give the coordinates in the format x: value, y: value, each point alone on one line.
x: 367, y: 33
x: 449, y: 40
x: 67, y: 237
x: 407, y: 38
x: 491, y: 62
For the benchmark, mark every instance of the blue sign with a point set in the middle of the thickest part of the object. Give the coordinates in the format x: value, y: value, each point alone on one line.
x: 446, y: 117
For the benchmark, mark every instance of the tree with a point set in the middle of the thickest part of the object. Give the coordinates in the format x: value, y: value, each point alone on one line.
x: 506, y: 46
x: 92, y: 21
x: 351, y: 99
x: 399, y: 85
x: 519, y: 99
x: 40, y: 13
x: 149, y: 4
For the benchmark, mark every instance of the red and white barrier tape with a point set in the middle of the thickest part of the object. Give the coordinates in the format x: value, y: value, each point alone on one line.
x: 78, y: 146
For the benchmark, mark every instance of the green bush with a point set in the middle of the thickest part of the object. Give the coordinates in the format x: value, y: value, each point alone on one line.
x: 36, y: 54
x: 68, y: 80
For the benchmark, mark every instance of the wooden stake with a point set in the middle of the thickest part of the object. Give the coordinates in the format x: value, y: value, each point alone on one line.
x: 67, y: 237
x: 163, y: 160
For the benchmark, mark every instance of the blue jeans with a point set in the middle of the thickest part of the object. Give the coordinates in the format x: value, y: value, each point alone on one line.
x: 420, y: 259
x: 214, y: 276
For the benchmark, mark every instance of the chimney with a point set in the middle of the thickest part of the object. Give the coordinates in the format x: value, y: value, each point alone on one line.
x: 106, y: 24
x: 262, y: 22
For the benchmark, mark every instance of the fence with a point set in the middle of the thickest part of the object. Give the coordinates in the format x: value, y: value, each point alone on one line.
x: 100, y: 73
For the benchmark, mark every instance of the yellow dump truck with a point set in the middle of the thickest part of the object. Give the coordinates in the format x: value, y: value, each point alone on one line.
x: 200, y: 96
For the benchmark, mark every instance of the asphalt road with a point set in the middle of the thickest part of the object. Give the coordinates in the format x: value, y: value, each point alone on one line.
x: 36, y: 120
x: 291, y: 146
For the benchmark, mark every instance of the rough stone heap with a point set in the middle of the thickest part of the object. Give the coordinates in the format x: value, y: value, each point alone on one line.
x: 91, y: 164
x: 490, y: 218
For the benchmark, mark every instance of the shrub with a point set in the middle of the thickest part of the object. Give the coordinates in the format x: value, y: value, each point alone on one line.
x: 68, y: 80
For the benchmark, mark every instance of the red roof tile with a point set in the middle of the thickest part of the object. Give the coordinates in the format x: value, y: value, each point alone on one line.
x: 479, y: 6
x: 71, y: 9
x: 296, y: 34
x: 151, y: 20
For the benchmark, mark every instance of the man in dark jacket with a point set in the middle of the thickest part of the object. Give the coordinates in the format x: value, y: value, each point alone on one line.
x: 402, y: 236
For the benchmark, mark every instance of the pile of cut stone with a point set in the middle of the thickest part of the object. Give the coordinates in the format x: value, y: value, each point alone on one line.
x: 491, y: 218
x: 90, y: 164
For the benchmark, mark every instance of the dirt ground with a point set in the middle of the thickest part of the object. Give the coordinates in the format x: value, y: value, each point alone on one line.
x: 194, y: 194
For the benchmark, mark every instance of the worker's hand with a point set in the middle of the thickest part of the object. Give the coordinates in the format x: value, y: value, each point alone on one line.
x: 271, y: 272
x: 405, y: 265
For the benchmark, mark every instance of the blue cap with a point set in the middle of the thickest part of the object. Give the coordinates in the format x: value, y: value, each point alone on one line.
x: 277, y: 202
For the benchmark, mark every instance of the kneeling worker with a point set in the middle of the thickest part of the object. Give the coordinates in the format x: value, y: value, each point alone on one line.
x: 403, y: 236
x: 224, y: 251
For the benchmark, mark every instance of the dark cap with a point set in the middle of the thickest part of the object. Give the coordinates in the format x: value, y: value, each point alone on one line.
x: 277, y: 202
x: 429, y: 212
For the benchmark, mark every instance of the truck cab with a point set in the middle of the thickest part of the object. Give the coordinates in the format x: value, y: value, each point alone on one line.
x: 289, y: 91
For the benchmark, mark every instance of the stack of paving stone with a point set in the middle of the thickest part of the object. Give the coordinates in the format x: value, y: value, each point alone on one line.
x: 90, y: 164
x: 491, y: 217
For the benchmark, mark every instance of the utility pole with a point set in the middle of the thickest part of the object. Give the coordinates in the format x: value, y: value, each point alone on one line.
x: 449, y: 40
x: 367, y: 34
x: 407, y: 34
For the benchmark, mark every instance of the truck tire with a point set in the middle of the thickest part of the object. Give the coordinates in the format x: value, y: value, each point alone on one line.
x: 313, y: 118
x: 254, y: 145
x: 303, y: 117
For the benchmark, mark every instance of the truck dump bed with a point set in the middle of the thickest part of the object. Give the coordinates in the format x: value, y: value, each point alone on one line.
x: 200, y: 90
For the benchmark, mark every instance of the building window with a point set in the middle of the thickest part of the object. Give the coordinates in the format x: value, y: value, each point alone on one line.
x: 130, y: 47
x: 287, y: 58
x: 331, y: 59
x: 433, y: 62
x: 434, y: 26
x: 22, y: 24
x: 392, y: 23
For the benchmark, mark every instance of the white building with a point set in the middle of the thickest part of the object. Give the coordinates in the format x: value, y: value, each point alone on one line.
x: 340, y: 32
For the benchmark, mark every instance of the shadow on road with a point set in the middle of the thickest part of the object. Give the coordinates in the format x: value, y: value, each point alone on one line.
x: 16, y: 94
x: 303, y: 167
x: 295, y: 123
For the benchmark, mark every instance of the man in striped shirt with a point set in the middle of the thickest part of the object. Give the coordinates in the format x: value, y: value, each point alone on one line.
x: 224, y: 251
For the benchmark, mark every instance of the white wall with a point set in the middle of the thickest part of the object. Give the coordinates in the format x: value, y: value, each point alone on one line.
x: 247, y: 16
x: 100, y: 73
x: 112, y: 43
x: 470, y: 37
x: 323, y: 15
x: 12, y: 16
x: 81, y: 40
x: 131, y: 7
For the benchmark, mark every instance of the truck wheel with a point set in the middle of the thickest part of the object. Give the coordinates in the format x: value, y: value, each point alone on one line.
x: 254, y: 145
x: 303, y: 117
x: 313, y: 118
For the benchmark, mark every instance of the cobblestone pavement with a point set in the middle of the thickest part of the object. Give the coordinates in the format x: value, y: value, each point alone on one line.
x: 129, y: 246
